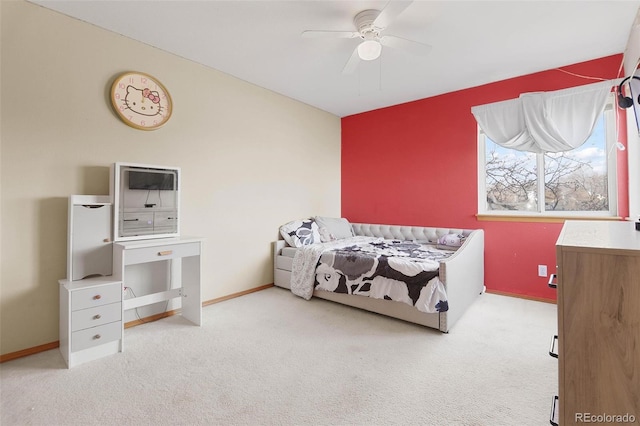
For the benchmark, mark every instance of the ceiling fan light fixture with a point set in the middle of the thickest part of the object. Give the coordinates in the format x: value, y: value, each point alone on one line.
x: 369, y: 50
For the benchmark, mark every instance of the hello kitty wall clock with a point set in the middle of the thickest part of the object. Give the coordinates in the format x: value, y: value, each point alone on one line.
x: 140, y: 100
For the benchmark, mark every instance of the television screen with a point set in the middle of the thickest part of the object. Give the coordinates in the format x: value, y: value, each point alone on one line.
x: 151, y: 180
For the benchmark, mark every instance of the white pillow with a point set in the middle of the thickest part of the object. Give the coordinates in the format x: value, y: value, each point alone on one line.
x: 451, y: 241
x: 299, y: 233
x: 334, y: 228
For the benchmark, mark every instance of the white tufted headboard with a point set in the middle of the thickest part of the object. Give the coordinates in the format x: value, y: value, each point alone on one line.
x: 409, y: 233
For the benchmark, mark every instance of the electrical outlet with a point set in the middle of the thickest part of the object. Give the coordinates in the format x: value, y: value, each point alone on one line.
x: 542, y: 270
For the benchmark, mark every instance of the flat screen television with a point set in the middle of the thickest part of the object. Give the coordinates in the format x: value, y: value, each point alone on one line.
x: 151, y: 180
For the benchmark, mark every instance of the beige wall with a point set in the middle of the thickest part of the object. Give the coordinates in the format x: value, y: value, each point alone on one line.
x: 251, y: 159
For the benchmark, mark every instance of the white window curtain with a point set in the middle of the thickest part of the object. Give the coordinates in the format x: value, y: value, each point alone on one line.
x: 545, y: 121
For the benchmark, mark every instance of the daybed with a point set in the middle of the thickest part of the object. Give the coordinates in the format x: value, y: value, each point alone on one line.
x: 455, y: 274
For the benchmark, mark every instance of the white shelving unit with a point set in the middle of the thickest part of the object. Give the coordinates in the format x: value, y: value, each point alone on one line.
x: 146, y: 200
x: 89, y: 251
x: 136, y: 225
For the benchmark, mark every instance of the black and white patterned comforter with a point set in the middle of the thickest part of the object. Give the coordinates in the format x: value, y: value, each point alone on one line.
x: 403, y: 271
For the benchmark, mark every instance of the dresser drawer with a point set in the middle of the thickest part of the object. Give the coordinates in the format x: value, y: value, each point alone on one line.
x: 92, y: 317
x: 165, y: 219
x: 90, y: 337
x: 284, y: 262
x: 137, y: 220
x: 96, y: 296
x: 151, y: 254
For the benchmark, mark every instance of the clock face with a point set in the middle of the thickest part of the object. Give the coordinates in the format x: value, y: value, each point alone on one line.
x: 141, y: 101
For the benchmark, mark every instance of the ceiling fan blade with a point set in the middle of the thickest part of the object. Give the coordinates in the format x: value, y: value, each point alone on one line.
x: 410, y: 46
x: 390, y: 12
x: 352, y: 63
x: 329, y: 34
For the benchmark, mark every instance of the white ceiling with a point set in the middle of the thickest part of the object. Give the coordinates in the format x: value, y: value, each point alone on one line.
x: 474, y: 42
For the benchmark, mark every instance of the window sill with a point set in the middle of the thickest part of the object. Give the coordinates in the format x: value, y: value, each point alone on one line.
x: 545, y: 219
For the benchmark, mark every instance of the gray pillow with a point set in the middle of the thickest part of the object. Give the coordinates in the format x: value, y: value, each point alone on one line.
x: 333, y: 228
x: 298, y: 233
x: 451, y: 241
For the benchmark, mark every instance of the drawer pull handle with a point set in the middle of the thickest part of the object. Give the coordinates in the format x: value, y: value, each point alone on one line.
x: 553, y: 419
x: 97, y: 317
x: 97, y: 297
x: 96, y: 337
x: 552, y: 349
x: 552, y: 281
x: 130, y: 220
x: 165, y: 253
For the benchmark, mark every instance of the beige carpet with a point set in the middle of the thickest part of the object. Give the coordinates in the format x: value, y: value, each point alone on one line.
x: 270, y: 358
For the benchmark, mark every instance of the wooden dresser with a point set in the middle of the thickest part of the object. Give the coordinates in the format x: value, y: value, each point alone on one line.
x: 598, y: 281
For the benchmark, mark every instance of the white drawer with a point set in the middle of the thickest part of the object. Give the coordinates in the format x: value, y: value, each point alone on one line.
x: 137, y: 220
x: 282, y: 278
x: 164, y: 229
x: 165, y: 219
x: 92, y: 317
x: 95, y: 336
x: 171, y: 251
x: 96, y: 296
x: 284, y: 262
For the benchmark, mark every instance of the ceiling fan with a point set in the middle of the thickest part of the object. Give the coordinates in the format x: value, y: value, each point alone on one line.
x: 370, y: 24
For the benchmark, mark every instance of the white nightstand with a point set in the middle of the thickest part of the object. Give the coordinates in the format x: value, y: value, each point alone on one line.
x: 91, y: 323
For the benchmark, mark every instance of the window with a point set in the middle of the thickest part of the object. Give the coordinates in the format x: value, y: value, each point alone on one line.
x: 580, y: 182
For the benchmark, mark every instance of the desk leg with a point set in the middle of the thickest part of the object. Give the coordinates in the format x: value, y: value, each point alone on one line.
x: 191, y: 295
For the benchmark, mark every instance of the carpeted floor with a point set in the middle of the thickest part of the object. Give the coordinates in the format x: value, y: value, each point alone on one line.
x: 270, y: 358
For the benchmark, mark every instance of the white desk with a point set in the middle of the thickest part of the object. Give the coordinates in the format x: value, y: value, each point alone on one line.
x: 187, y: 249
x: 92, y: 309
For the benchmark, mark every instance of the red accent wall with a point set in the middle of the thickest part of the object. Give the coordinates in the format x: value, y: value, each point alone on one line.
x: 416, y: 164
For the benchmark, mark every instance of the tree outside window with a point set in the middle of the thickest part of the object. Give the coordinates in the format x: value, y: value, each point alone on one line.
x: 580, y: 181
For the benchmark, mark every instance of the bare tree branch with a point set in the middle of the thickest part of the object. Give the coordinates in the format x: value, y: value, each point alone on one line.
x: 570, y: 184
